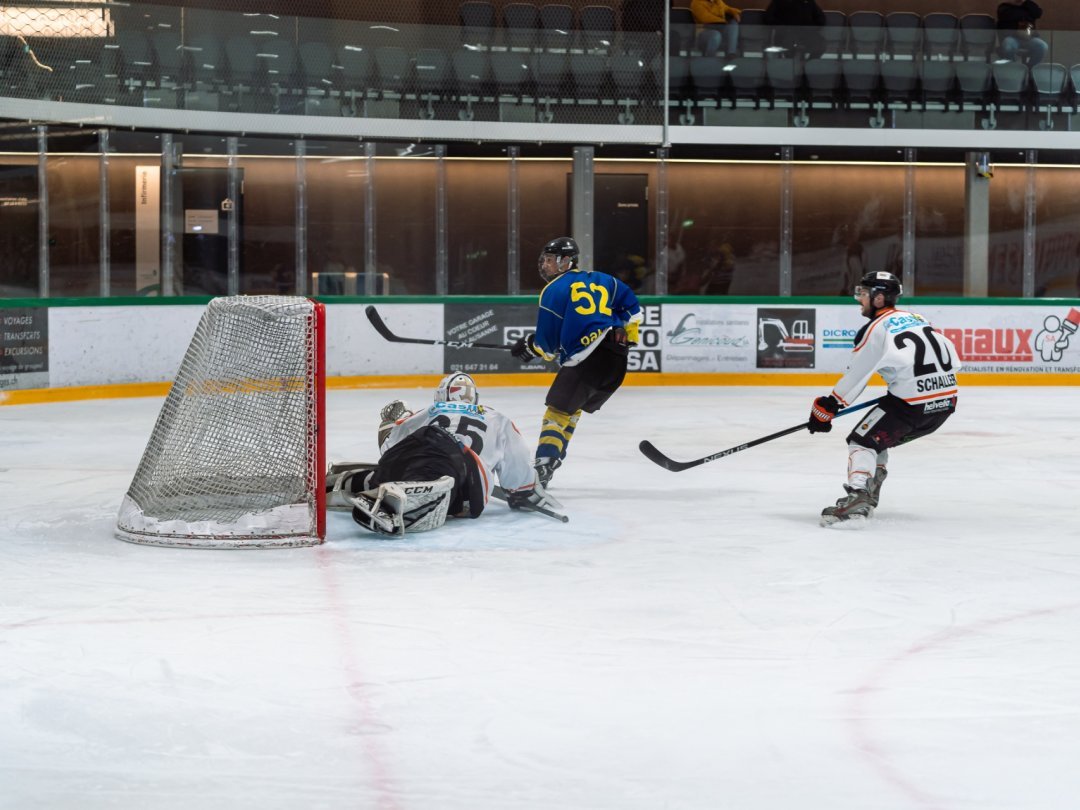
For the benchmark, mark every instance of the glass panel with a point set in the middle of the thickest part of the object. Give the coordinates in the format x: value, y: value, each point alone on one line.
x: 545, y: 212
x: 939, y: 230
x: 134, y: 192
x: 19, y: 223
x: 477, y: 220
x: 1057, y: 249
x: 542, y: 65
x: 625, y: 222
x: 74, y: 220
x: 405, y: 223
x: 725, y: 228
x: 336, y: 188
x: 1008, y: 189
x: 847, y: 221
x: 268, y: 216
x: 200, y: 222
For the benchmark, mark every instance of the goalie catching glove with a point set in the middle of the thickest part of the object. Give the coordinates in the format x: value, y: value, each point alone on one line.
x: 525, y: 349
x: 821, y: 414
x: 390, y: 415
x: 531, y: 497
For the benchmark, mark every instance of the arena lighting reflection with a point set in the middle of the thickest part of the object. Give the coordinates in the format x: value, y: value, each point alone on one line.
x: 358, y: 158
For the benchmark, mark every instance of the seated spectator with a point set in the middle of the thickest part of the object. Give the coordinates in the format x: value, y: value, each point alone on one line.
x: 719, y: 24
x: 1016, y: 22
x: 797, y: 23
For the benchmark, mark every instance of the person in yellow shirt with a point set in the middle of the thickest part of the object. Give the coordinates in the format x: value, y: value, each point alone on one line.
x: 718, y: 25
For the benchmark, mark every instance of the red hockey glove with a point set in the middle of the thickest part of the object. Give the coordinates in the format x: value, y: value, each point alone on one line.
x: 821, y: 414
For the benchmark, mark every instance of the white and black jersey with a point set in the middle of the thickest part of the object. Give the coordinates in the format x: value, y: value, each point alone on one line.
x: 918, y: 363
x: 500, y: 449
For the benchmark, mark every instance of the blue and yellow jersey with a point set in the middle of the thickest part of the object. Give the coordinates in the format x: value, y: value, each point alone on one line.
x: 578, y: 308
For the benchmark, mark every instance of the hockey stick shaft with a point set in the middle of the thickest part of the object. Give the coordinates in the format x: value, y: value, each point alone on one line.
x: 655, y: 456
x: 384, y: 330
x: 500, y: 493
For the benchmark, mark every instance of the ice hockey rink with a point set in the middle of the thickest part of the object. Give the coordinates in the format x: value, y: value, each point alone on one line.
x: 687, y: 640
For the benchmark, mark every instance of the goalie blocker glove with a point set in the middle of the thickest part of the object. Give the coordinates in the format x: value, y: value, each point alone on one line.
x: 525, y: 349
x: 821, y: 414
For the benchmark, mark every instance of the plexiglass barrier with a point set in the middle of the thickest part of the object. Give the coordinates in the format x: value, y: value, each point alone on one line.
x: 547, y: 64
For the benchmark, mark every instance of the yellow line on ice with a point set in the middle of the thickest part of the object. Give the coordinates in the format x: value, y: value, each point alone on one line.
x: 35, y: 396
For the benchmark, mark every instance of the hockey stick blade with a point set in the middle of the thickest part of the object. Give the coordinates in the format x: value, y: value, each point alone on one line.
x: 384, y: 330
x: 500, y: 493
x: 649, y: 450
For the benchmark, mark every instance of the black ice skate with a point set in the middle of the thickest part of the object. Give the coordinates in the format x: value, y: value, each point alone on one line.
x: 873, y: 485
x: 545, y: 469
x: 855, y: 507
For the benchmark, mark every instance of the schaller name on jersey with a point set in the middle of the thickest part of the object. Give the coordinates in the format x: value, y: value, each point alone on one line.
x: 936, y: 383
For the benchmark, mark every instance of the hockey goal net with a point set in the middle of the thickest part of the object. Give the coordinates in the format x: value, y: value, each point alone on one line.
x: 237, y: 456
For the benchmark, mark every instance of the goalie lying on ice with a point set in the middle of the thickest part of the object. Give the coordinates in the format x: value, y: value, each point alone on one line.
x: 437, y: 462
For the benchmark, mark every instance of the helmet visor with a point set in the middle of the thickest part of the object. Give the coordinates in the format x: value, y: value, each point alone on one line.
x: 549, y: 267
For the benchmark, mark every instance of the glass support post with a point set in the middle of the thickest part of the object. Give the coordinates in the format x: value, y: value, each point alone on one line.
x: 370, y: 254
x: 582, y: 202
x: 787, y: 155
x: 513, y: 224
x: 232, y: 215
x: 104, y: 215
x: 301, y: 217
x: 168, y: 239
x: 43, y: 211
x: 663, y: 223
x: 1031, y: 205
x: 908, y: 237
x: 976, y: 224
x: 442, y: 270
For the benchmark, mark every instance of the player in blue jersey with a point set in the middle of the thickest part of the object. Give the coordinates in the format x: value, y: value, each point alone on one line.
x: 589, y: 320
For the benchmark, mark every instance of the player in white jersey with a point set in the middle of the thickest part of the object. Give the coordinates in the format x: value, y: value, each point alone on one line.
x: 918, y: 363
x: 442, y: 460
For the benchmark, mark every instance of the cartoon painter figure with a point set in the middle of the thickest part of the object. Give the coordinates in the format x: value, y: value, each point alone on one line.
x: 1050, y: 341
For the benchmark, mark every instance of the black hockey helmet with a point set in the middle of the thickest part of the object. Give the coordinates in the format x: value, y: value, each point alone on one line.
x: 880, y: 281
x: 563, y: 248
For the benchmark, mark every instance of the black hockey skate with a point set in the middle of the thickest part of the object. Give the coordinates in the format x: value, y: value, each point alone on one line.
x: 545, y: 468
x: 854, y: 508
x: 873, y: 485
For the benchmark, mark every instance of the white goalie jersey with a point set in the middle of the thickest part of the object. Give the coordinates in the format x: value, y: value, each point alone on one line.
x: 499, y: 447
x: 918, y: 363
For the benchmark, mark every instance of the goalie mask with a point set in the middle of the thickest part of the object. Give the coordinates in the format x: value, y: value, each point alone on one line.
x: 558, y: 256
x: 457, y: 387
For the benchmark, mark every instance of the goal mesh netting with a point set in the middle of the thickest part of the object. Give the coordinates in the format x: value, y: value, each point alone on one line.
x: 236, y: 457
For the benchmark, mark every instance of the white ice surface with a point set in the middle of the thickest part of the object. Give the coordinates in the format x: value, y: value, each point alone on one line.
x: 688, y: 640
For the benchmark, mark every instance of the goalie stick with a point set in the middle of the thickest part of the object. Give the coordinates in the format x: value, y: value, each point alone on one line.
x: 381, y: 327
x: 500, y: 493
x: 655, y: 456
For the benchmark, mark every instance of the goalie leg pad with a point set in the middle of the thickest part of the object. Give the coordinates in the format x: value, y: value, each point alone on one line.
x: 397, y: 507
x: 343, y: 479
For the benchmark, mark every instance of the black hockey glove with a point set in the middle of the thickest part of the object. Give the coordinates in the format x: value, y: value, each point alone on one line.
x: 525, y: 349
x: 821, y: 414
x: 531, y: 497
